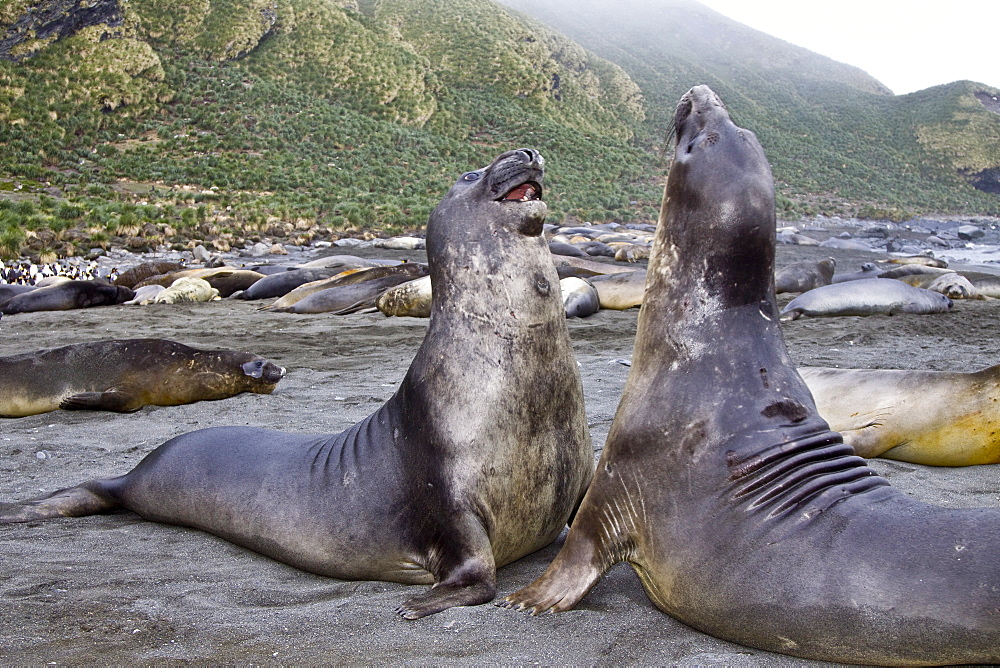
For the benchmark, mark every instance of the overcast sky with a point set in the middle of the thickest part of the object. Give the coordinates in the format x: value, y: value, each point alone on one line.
x: 906, y: 44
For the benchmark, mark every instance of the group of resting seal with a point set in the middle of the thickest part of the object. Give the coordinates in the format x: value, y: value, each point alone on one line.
x: 742, y: 513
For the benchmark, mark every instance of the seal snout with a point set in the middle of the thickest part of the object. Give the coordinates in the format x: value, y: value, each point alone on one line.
x: 517, y: 176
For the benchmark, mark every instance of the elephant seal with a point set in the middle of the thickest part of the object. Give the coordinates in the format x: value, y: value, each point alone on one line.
x: 925, y: 260
x: 187, y: 289
x: 987, y: 285
x: 478, y: 459
x: 867, y: 296
x: 805, y: 276
x: 566, y: 249
x: 145, y: 295
x: 123, y: 375
x: 67, y: 296
x: 413, y: 298
x: 743, y: 515
x: 353, y: 297
x: 277, y: 285
x: 579, y: 297
x: 954, y: 286
x: 567, y: 266
x: 131, y: 277
x: 621, y: 291
x: 8, y: 290
x: 868, y: 270
x: 936, y: 418
x: 404, y: 271
x: 915, y: 272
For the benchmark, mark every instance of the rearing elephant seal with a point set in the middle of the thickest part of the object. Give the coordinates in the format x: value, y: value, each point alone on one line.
x: 742, y: 513
x: 477, y: 460
x: 123, y: 375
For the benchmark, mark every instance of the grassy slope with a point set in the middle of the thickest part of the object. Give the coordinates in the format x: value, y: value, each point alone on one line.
x: 833, y: 134
x: 357, y: 114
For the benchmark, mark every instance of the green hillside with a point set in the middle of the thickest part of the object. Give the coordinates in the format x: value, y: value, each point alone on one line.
x: 148, y: 122
x: 836, y: 137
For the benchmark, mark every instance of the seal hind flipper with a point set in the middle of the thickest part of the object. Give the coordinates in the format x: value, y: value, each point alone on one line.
x: 87, y: 499
x: 110, y: 400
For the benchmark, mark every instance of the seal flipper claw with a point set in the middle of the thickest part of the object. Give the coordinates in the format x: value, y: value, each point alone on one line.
x: 573, y: 573
x: 444, y: 596
x: 472, y: 583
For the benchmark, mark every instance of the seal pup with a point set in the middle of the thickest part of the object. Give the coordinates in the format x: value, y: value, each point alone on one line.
x: 935, y: 418
x: 743, y: 515
x: 187, y: 289
x: 477, y: 460
x: 123, y: 375
x: 579, y: 297
x: 67, y: 296
x: 868, y: 270
x: 412, y: 298
x: 866, y: 296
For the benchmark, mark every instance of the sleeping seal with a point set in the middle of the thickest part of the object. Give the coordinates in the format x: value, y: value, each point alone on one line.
x: 867, y: 296
x: 936, y: 418
x: 124, y: 375
x: 68, y: 295
x: 743, y: 515
x: 478, y: 459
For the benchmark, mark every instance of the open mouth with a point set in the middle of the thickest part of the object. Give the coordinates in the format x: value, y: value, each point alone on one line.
x: 525, y: 192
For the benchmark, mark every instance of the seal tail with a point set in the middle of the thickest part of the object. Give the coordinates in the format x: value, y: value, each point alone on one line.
x: 89, y: 498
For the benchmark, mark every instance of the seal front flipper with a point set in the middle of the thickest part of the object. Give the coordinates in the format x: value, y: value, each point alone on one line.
x: 582, y: 561
x: 110, y: 400
x: 461, y: 579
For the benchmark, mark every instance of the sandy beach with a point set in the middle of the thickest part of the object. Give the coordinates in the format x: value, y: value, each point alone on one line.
x: 114, y: 589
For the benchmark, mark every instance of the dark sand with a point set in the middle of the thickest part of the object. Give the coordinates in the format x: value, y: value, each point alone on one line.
x: 115, y: 589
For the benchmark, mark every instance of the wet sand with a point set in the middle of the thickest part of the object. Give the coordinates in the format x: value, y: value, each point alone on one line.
x: 114, y: 589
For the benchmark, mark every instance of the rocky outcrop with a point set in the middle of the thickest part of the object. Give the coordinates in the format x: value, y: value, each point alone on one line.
x: 49, y: 20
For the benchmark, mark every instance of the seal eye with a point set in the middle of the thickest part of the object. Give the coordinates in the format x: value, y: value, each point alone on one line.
x: 254, y: 369
x: 471, y: 176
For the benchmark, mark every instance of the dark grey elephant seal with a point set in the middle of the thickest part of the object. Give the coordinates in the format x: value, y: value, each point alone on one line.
x: 8, y: 290
x: 805, y: 276
x: 276, y: 285
x: 67, y: 296
x: 867, y: 296
x: 477, y: 460
x: 123, y: 375
x: 742, y: 513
